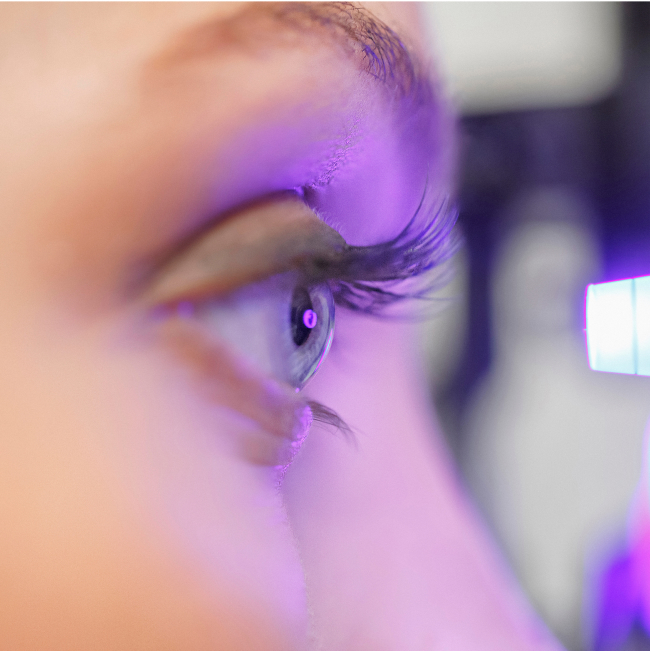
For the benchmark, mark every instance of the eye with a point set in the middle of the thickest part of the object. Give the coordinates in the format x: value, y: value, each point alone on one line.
x: 311, y: 319
x: 281, y: 325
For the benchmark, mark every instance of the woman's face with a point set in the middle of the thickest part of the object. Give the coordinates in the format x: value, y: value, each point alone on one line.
x: 171, y: 175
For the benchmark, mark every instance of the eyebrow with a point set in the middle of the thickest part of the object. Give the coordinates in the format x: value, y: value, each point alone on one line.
x: 351, y: 28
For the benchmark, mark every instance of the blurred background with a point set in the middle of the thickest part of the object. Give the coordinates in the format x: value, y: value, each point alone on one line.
x: 554, y: 102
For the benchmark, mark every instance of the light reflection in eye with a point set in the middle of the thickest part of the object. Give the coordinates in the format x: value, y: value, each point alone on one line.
x: 309, y: 318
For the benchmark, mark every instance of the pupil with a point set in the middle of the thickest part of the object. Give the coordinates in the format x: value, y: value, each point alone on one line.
x: 303, y: 317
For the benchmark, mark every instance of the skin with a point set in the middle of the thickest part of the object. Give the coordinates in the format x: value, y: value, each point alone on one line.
x: 139, y: 493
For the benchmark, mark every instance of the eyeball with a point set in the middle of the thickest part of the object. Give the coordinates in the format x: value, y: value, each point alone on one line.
x: 311, y: 320
x: 281, y: 325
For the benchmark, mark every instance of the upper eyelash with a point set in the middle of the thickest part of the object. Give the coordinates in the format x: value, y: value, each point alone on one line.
x: 366, y: 278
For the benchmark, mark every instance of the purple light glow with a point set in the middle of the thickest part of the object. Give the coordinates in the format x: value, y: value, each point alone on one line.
x: 618, y: 603
x: 309, y: 318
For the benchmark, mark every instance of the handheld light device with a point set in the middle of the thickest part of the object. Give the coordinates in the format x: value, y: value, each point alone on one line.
x: 618, y: 326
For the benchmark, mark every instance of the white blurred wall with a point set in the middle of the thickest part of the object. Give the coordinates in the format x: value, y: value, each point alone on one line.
x: 499, y: 56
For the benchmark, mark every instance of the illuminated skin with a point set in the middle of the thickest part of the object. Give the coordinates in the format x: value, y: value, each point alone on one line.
x: 139, y: 493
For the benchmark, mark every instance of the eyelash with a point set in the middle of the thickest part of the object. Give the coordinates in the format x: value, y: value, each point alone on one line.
x: 364, y: 278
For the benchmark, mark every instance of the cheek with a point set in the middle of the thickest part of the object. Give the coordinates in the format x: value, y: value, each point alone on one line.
x: 127, y: 518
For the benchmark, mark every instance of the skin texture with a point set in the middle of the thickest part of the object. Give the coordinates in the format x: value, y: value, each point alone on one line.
x: 139, y: 494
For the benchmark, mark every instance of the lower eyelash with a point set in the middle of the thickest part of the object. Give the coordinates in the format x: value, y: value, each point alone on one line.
x: 322, y: 414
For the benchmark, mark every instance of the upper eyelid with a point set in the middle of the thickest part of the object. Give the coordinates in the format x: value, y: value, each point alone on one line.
x: 272, y: 236
x: 282, y: 233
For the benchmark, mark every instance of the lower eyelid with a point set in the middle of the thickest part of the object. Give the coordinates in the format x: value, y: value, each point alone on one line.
x: 225, y: 379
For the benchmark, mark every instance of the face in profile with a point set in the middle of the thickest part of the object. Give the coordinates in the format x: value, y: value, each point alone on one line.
x: 211, y: 437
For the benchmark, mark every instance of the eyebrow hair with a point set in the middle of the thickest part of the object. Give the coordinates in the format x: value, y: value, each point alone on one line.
x: 347, y: 26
